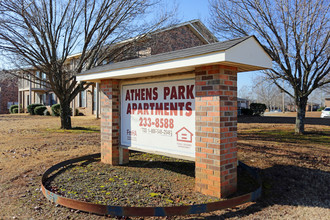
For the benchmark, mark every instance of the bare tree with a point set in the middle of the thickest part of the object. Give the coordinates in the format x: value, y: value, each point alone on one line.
x: 318, y: 97
x: 245, y: 92
x: 41, y: 34
x: 267, y: 92
x: 295, y: 33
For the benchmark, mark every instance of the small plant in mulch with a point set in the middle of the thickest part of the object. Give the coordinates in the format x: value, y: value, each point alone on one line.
x: 148, y: 180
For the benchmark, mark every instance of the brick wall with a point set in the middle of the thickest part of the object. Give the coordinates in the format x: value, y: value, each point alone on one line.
x: 8, y: 93
x: 174, y: 39
x: 110, y: 123
x: 162, y: 42
x: 171, y: 40
x: 216, y: 130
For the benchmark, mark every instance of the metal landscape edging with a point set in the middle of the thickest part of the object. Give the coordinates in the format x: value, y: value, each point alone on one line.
x: 145, y: 211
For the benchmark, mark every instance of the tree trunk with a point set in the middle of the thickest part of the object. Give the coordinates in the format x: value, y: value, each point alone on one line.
x: 301, y: 103
x: 65, y: 115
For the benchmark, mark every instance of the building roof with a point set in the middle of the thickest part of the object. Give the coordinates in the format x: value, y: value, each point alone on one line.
x: 245, y: 53
x: 196, y: 26
x: 6, y: 76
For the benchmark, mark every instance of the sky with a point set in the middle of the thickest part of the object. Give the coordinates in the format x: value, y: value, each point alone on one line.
x: 199, y: 9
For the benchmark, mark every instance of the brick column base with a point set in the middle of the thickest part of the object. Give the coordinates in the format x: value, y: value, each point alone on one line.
x: 216, y: 130
x: 110, y: 124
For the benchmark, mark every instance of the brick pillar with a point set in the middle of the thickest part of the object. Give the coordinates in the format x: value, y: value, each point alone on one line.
x: 110, y: 124
x: 216, y: 130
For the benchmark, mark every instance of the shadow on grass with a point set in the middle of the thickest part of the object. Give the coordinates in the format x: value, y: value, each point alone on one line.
x: 12, y: 117
x: 287, y: 185
x: 299, y: 157
x: 90, y: 129
x: 144, y: 160
x: 282, y: 184
x: 283, y: 136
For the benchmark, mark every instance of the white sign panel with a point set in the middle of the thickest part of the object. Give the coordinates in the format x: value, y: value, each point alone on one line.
x: 159, y: 117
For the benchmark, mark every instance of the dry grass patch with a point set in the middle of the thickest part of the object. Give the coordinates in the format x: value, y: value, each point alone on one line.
x: 295, y: 169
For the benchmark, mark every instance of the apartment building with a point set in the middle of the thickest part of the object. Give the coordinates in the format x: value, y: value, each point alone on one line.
x: 8, y: 92
x: 188, y: 34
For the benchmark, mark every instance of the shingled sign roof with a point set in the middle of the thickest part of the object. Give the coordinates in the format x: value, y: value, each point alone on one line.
x: 245, y: 53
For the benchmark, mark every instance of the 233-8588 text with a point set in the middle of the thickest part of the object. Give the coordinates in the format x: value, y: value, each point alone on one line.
x: 158, y: 122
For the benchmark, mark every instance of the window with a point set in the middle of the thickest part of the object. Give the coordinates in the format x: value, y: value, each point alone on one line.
x: 44, y: 97
x: 144, y: 52
x: 10, y: 104
x: 26, y: 81
x: 82, y: 100
x: 52, y: 99
x: 37, y: 81
x: 44, y: 77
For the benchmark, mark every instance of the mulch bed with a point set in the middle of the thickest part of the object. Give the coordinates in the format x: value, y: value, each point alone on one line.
x: 147, y: 181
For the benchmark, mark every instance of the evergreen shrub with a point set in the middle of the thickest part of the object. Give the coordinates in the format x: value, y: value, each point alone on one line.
x: 31, y: 108
x: 39, y: 110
